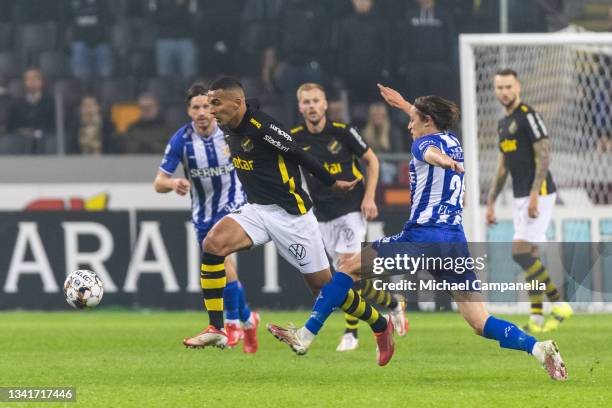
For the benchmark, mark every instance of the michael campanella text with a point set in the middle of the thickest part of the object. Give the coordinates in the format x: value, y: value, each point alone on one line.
x: 444, y: 285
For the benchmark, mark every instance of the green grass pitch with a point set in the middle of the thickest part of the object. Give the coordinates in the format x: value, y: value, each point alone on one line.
x: 136, y: 359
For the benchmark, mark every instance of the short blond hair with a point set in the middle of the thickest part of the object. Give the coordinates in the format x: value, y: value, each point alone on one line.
x: 309, y: 86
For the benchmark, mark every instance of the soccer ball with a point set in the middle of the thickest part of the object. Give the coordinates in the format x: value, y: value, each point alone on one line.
x: 83, y: 289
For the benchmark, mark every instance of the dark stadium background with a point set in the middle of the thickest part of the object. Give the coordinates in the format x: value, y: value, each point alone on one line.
x: 271, y: 45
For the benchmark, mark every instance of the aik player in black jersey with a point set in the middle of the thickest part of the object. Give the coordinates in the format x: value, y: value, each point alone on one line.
x: 524, y: 152
x: 266, y: 161
x: 342, y: 216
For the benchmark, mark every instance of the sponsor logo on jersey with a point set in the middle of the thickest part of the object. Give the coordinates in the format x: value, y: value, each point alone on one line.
x: 456, y: 153
x: 277, y: 143
x: 211, y: 171
x: 334, y: 146
x: 513, y: 127
x: 247, y: 144
x: 255, y: 123
x: 226, y: 151
x: 242, y: 164
x: 280, y: 132
x: 508, y: 145
x: 333, y: 168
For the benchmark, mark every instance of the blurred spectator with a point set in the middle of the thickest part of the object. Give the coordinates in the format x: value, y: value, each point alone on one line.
x: 217, y: 37
x: 427, y: 51
x: 90, y: 130
x: 129, y: 9
x: 360, y: 45
x: 149, y: 134
x: 337, y: 107
x: 380, y: 133
x: 90, y: 22
x: 174, y: 21
x: 7, y: 10
x: 257, y: 22
x: 34, y: 11
x: 301, y: 48
x: 526, y: 16
x: 476, y: 16
x: 31, y: 121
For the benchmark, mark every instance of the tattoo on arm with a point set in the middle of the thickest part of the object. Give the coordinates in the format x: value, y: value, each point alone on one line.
x: 497, y: 185
x: 541, y: 151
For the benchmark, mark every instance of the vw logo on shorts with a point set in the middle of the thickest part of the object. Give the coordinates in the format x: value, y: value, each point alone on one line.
x: 298, y: 251
x: 348, y: 234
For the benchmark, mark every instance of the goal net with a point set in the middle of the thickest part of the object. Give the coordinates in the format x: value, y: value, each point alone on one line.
x: 567, y: 78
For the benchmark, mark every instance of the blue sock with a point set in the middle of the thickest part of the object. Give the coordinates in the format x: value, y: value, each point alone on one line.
x: 508, y: 335
x: 331, y: 296
x: 243, y: 307
x: 231, y: 300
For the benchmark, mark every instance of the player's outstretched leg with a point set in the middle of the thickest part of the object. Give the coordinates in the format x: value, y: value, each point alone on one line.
x: 395, y: 304
x: 213, y: 281
x: 511, y: 337
x: 339, y: 293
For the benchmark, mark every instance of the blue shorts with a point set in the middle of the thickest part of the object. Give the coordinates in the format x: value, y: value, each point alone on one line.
x: 432, y: 242
x: 203, y: 230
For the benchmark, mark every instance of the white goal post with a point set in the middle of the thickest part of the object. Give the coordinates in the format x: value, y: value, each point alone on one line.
x: 567, y: 77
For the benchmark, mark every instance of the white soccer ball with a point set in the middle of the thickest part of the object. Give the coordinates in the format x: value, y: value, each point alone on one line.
x: 83, y: 289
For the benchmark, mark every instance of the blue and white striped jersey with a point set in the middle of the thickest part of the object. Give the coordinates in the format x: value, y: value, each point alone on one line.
x: 437, y: 194
x: 215, y: 188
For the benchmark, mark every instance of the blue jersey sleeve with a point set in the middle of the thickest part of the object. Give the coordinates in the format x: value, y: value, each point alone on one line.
x: 173, y: 153
x: 420, y: 146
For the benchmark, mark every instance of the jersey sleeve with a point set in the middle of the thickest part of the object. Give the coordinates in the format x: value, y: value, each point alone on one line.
x: 282, y: 141
x: 534, y: 125
x: 356, y: 142
x: 419, y: 147
x: 172, y: 154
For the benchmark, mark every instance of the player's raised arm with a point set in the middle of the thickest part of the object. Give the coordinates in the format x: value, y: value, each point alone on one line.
x: 435, y: 157
x: 394, y: 98
x: 282, y: 141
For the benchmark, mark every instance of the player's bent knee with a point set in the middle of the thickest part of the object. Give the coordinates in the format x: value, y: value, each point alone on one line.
x: 317, y: 280
x: 214, y: 244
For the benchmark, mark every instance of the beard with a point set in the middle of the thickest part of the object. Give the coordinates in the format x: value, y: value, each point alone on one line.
x: 509, y: 103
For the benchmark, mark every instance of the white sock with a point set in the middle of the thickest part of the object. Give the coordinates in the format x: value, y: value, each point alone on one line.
x: 235, y: 322
x: 537, y: 319
x: 538, y: 352
x: 305, y: 336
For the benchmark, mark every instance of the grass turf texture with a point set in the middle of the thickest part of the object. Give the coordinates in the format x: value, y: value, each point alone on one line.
x: 134, y: 359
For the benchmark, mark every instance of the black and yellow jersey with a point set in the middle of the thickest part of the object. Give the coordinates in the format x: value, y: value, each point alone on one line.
x: 517, y: 133
x: 338, y: 147
x: 267, y: 163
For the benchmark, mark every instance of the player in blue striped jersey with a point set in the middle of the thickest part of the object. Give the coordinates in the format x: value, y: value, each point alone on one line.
x: 434, y: 226
x: 215, y: 191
